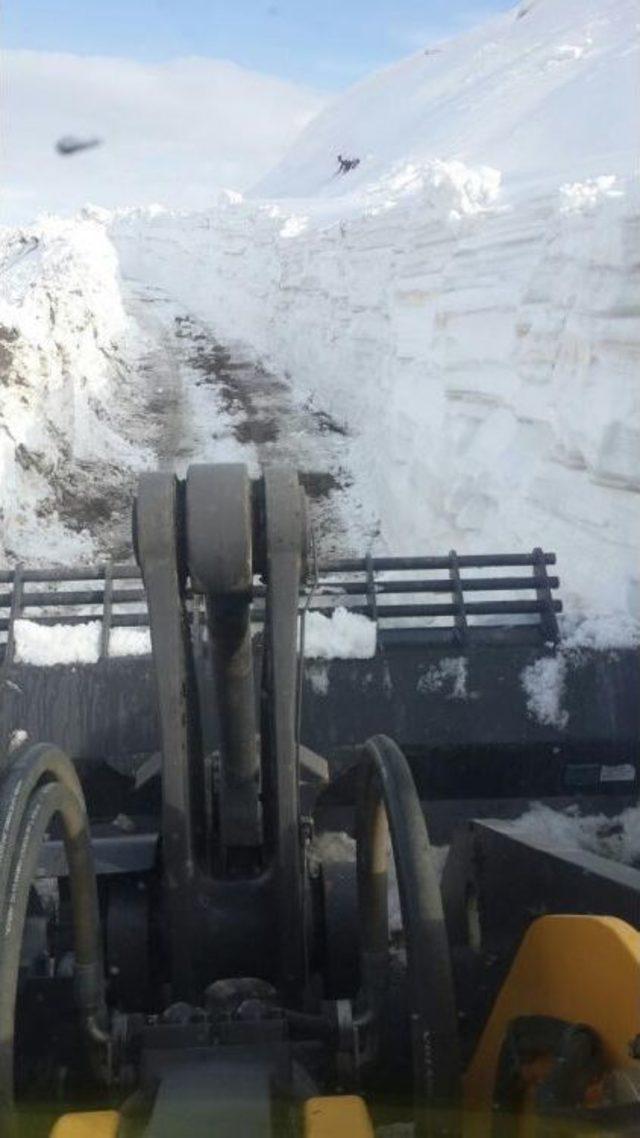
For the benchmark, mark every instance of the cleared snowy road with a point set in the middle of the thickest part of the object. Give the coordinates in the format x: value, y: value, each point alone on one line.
x: 105, y: 374
x: 205, y: 401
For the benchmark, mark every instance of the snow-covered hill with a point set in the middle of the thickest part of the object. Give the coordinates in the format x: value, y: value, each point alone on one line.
x: 547, y: 92
x: 463, y: 307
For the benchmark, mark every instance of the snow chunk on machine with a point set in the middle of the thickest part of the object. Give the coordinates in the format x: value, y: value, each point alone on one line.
x: 194, y: 884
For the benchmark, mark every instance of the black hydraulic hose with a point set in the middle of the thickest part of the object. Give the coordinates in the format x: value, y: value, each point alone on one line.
x: 40, y: 785
x: 388, y: 804
x: 39, y: 763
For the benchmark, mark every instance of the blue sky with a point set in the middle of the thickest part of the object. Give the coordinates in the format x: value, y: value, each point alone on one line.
x: 324, y: 43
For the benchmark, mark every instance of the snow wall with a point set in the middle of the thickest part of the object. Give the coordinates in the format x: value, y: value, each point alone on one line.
x: 63, y: 338
x: 482, y: 357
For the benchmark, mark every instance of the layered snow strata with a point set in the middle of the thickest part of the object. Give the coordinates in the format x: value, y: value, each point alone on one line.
x: 484, y: 365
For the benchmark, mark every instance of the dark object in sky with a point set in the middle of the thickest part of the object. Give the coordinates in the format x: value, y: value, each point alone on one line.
x: 347, y: 164
x: 69, y: 144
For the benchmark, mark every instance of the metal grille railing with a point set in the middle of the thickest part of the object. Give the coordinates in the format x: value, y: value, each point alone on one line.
x: 392, y: 591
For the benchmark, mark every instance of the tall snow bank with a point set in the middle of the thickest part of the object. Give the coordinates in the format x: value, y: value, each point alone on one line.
x: 484, y: 361
x: 62, y: 331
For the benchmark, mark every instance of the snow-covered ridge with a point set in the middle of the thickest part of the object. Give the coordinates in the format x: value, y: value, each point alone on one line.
x: 545, y: 90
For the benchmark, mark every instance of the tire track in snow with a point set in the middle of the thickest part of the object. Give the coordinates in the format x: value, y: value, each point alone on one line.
x: 209, y: 402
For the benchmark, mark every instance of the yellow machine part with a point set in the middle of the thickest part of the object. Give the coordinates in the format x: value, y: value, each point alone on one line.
x: 582, y: 969
x: 90, y: 1124
x: 336, y: 1116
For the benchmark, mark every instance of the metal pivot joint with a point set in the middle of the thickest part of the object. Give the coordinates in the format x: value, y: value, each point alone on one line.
x: 209, y: 536
x: 286, y: 549
x: 158, y: 526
